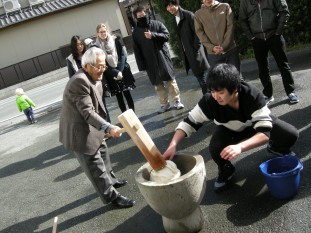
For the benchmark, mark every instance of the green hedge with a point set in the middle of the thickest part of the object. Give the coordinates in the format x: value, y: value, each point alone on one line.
x: 297, y: 31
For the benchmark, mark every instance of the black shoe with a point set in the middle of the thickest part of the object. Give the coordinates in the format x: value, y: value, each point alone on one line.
x: 279, y: 154
x: 273, y: 151
x: 276, y: 152
x: 224, y: 176
x: 119, y: 183
x: 123, y: 202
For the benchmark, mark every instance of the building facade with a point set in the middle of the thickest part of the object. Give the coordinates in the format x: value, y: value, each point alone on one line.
x: 35, y: 34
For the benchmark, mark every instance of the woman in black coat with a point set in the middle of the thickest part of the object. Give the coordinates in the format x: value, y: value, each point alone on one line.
x: 118, y: 75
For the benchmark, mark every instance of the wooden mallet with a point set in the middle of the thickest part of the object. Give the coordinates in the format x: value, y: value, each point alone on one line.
x: 143, y: 141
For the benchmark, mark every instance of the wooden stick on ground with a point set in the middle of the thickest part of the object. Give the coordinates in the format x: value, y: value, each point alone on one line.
x: 54, y: 225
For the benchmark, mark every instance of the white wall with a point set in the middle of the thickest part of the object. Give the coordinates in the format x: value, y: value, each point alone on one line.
x: 44, y: 34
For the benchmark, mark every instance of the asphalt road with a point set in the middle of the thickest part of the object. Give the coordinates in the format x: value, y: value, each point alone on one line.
x: 41, y: 180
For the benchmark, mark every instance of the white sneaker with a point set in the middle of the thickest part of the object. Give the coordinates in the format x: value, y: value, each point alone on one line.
x: 269, y: 99
x: 178, y: 105
x: 164, y: 108
x: 293, y: 98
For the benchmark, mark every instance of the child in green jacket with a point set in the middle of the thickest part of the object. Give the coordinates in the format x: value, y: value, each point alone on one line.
x: 24, y: 103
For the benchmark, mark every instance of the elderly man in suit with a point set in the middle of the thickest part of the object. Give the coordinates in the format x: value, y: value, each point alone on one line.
x: 83, y: 127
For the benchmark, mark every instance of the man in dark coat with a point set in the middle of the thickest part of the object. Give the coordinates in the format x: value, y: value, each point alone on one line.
x: 83, y: 127
x: 152, y: 55
x: 193, y: 53
x: 243, y: 119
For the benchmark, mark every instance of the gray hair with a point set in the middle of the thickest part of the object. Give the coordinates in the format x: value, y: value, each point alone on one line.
x: 89, y: 57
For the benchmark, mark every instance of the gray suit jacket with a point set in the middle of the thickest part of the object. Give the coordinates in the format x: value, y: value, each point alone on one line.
x: 82, y: 115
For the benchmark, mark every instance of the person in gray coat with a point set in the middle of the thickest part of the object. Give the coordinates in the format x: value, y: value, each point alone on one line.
x: 193, y: 53
x: 152, y: 55
x: 83, y: 127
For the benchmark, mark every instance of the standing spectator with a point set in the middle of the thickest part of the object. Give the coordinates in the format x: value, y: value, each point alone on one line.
x: 215, y: 29
x: 243, y: 122
x: 193, y: 53
x: 118, y: 75
x: 152, y: 55
x: 83, y: 127
x: 25, y: 104
x: 263, y: 22
x: 74, y: 59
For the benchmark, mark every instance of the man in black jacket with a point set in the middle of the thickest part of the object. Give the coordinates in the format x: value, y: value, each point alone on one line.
x: 150, y: 39
x: 263, y: 22
x: 193, y: 54
x: 243, y: 122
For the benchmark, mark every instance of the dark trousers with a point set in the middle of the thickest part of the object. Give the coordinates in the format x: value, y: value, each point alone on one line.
x: 202, y: 79
x: 29, y: 114
x: 107, y: 112
x: 276, y: 45
x: 129, y: 100
x: 282, y: 137
x: 230, y: 57
x: 99, y: 171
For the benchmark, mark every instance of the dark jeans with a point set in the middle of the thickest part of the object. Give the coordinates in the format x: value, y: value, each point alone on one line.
x: 276, y: 45
x: 202, y: 79
x: 105, y: 105
x: 98, y: 169
x: 282, y: 137
x: 129, y: 100
x: 29, y: 114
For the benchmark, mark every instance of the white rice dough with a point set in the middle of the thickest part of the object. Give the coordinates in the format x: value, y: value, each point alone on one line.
x: 166, y: 174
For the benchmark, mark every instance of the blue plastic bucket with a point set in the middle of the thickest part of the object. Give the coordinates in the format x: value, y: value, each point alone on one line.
x: 282, y: 176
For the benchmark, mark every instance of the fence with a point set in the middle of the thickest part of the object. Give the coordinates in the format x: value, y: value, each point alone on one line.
x: 33, y: 67
x: 42, y: 64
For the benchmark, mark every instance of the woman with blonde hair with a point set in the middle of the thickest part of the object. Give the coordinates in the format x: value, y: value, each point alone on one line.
x: 118, y: 74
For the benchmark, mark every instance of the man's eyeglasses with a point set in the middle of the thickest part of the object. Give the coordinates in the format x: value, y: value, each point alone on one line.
x: 100, y: 67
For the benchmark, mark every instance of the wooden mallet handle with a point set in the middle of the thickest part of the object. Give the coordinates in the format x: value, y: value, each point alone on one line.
x: 141, y: 138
